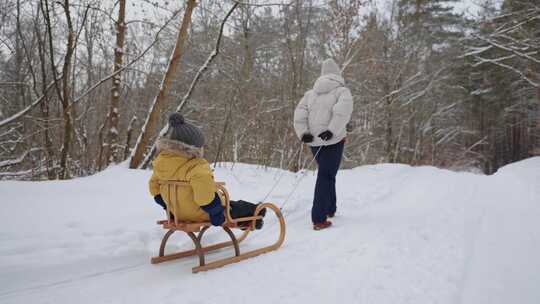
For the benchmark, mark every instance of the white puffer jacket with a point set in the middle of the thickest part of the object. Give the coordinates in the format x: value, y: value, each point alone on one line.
x: 328, y: 106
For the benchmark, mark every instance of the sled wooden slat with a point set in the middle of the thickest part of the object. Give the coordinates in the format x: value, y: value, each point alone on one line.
x: 187, y: 227
x: 249, y: 254
x: 192, y: 252
x: 235, y: 259
x: 195, y: 227
x: 190, y: 228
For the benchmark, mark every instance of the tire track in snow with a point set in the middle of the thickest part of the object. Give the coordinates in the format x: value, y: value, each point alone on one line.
x: 472, y: 228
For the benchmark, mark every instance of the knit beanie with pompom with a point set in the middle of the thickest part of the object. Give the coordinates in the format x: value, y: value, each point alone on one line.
x: 184, y: 132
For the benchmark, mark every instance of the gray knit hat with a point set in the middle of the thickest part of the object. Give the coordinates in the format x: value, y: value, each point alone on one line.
x: 184, y: 132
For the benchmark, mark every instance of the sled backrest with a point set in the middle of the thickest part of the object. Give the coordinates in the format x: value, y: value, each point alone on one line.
x: 171, y: 188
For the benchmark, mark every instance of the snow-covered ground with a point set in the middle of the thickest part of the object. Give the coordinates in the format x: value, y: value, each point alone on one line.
x: 402, y: 235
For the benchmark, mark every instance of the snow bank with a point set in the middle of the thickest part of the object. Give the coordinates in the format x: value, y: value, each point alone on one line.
x: 402, y: 235
x: 504, y: 254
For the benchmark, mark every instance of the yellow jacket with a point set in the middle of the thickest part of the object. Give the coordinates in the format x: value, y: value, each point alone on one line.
x: 175, y: 165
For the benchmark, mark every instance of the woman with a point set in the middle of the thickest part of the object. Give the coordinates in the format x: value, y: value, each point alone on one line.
x: 320, y: 121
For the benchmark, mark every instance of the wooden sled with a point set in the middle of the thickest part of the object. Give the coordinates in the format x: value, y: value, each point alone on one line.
x: 196, y: 232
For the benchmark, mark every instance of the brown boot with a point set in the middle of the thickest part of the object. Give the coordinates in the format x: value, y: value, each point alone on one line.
x: 323, y: 225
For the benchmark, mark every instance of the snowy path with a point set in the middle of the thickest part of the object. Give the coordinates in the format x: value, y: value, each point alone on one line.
x: 402, y: 235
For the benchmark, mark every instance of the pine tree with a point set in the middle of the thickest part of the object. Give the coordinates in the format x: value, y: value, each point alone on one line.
x: 430, y: 22
x: 429, y: 30
x: 503, y: 58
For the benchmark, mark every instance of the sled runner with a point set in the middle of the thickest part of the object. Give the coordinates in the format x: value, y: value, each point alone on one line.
x: 196, y: 232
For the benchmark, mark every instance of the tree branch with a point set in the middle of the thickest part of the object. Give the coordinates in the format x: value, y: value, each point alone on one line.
x: 103, y: 80
x: 30, y: 107
x: 196, y: 79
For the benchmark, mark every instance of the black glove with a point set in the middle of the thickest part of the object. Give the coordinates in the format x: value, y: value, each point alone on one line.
x: 307, y: 138
x: 159, y: 200
x: 215, y: 210
x: 326, y: 135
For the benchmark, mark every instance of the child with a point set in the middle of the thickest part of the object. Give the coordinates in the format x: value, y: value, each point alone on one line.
x: 180, y: 157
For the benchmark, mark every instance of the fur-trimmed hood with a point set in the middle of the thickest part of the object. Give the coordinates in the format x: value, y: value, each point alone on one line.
x: 178, y: 147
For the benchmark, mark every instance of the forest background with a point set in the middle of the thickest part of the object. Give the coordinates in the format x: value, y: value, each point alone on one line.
x: 87, y: 83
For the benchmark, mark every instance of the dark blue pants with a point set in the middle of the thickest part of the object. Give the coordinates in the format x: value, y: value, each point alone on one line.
x: 324, y: 200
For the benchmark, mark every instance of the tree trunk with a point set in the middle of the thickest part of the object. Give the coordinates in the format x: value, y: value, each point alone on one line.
x: 536, y: 150
x: 66, y: 96
x: 224, y: 133
x: 128, y: 137
x: 111, y: 147
x: 101, y: 129
x: 51, y: 172
x: 389, y: 131
x: 149, y: 126
x: 63, y: 91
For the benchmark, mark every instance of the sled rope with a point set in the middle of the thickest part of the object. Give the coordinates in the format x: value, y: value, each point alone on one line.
x: 282, y: 174
x: 300, y: 179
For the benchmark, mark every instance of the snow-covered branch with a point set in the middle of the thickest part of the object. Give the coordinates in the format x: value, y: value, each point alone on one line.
x: 511, y: 49
x: 208, y: 61
x: 26, y: 173
x: 513, y: 69
x: 21, y: 113
x: 18, y: 160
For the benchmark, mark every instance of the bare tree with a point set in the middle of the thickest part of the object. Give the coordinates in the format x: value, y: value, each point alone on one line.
x: 150, y: 123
